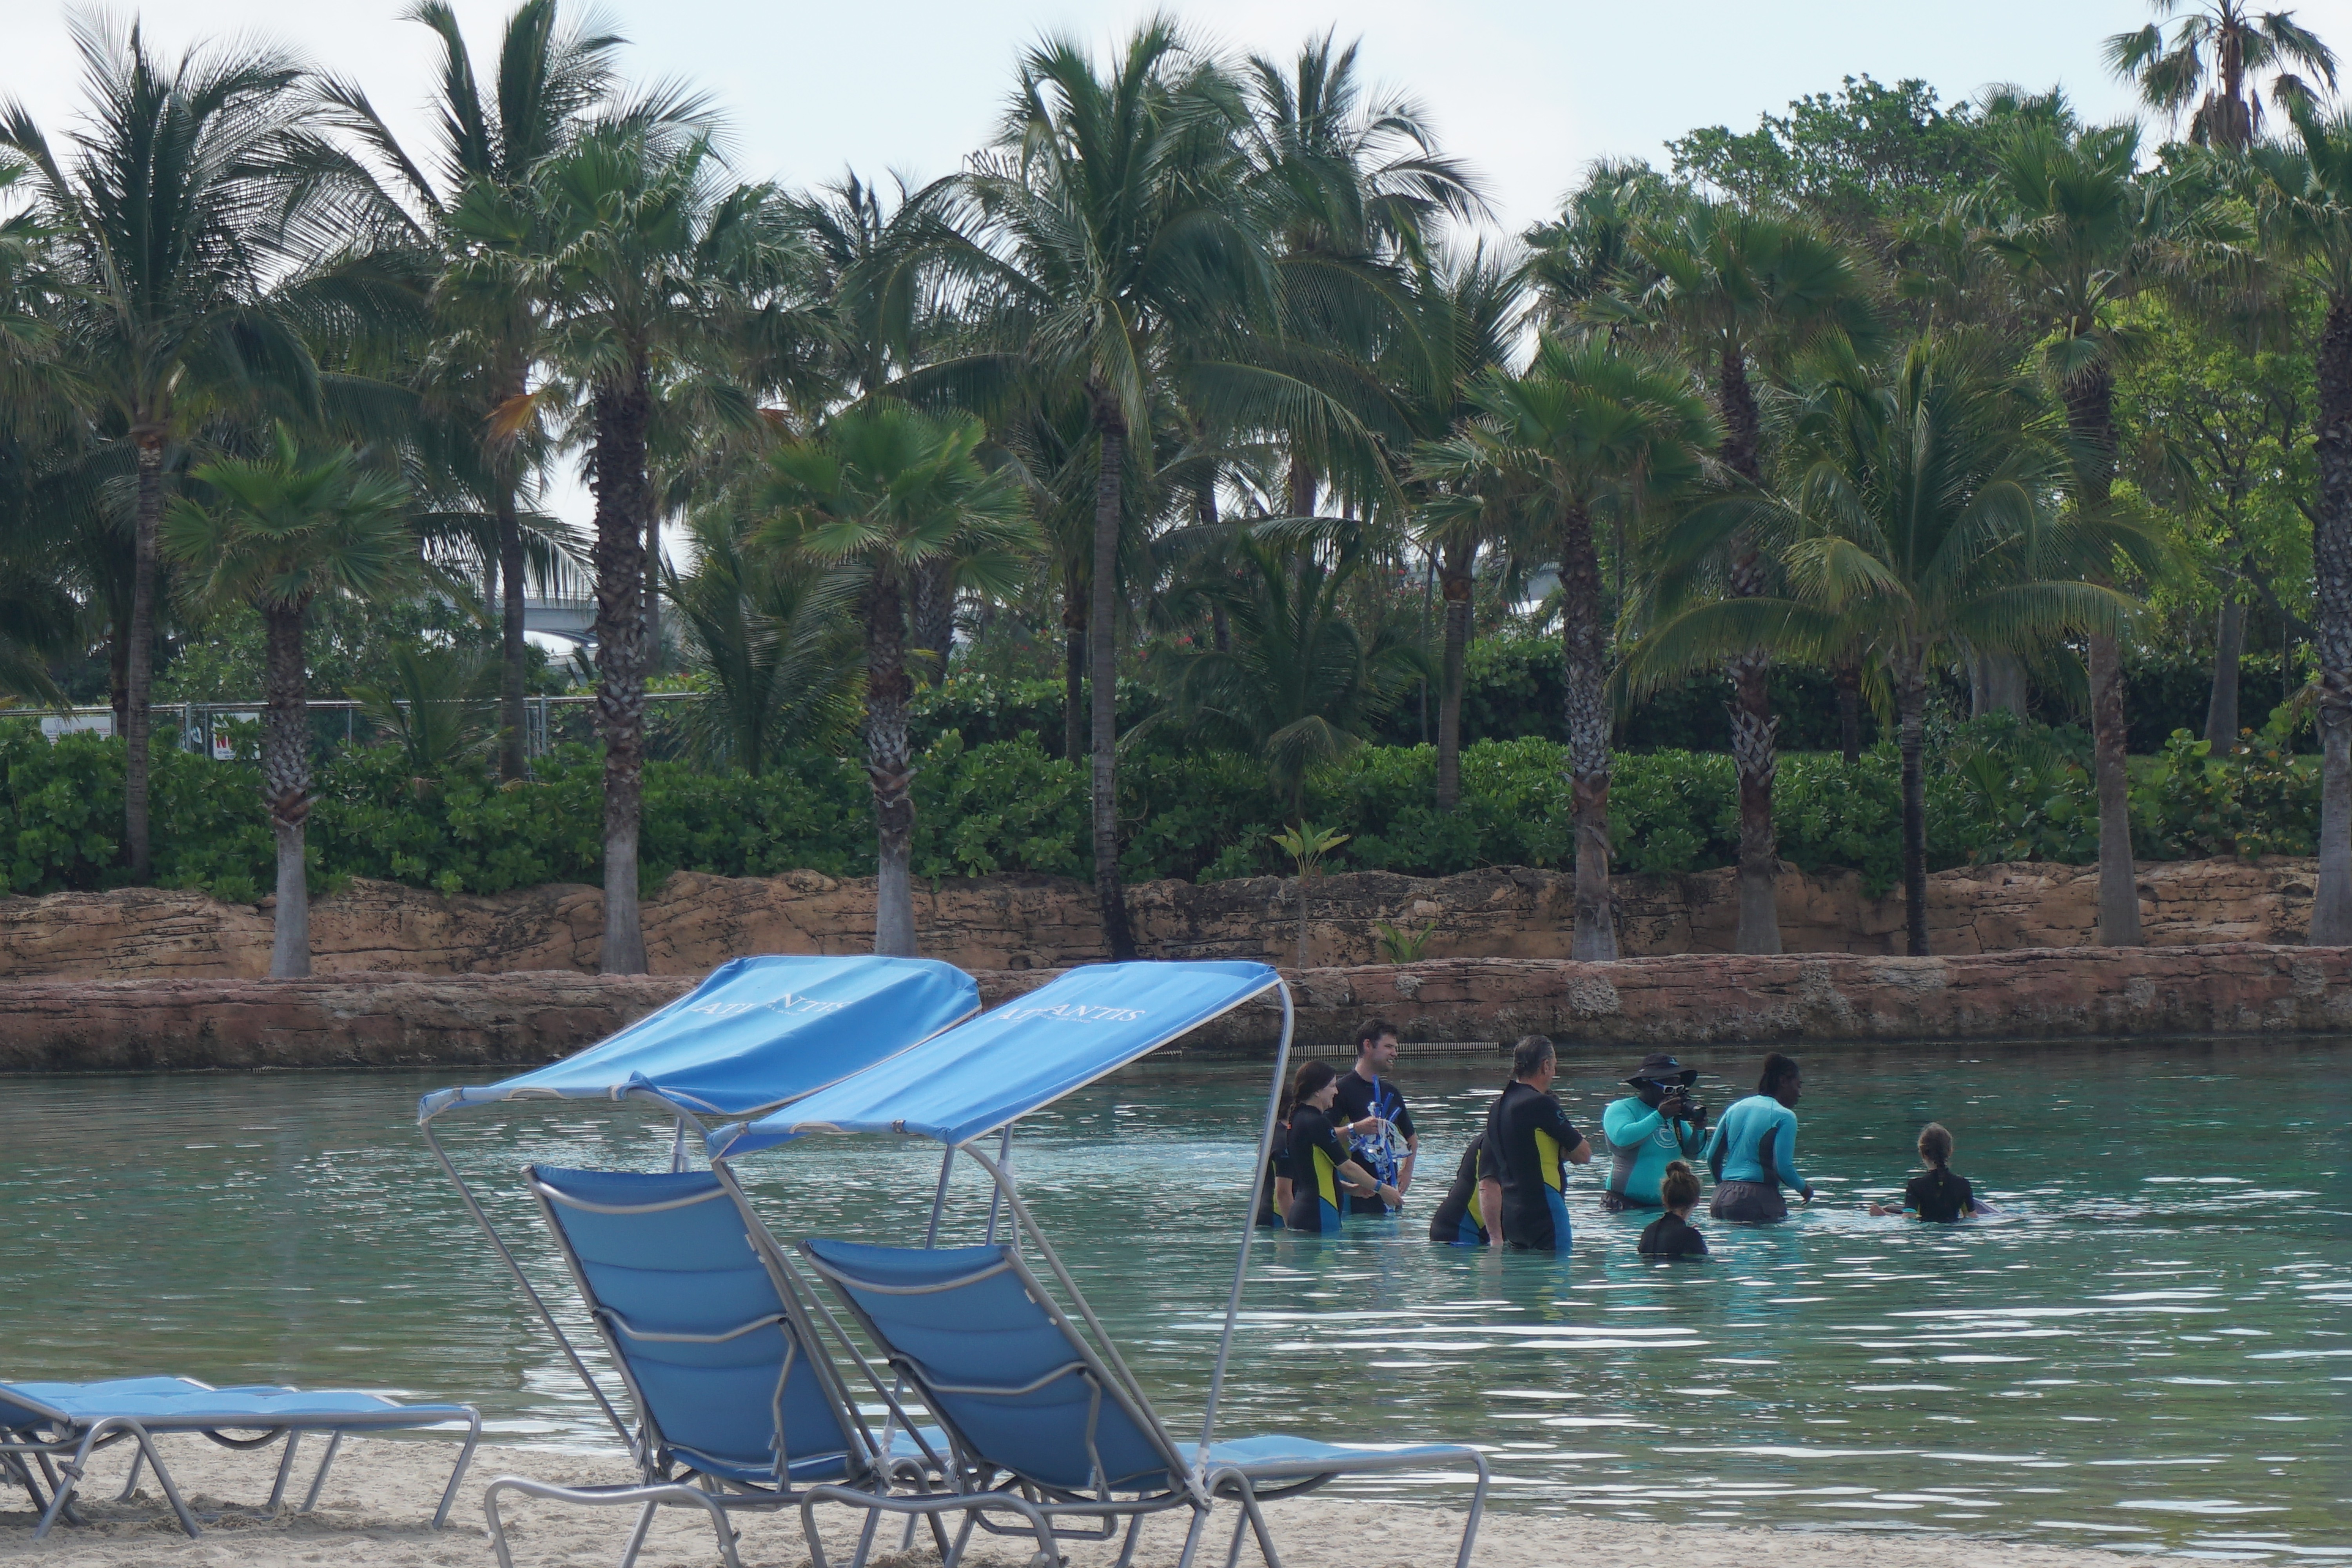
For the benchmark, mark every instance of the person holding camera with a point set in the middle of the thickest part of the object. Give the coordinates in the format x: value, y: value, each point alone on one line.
x: 1661, y: 1120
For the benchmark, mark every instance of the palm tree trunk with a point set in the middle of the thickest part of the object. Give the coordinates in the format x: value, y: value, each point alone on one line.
x: 2221, y: 703
x: 285, y: 783
x: 887, y: 764
x: 1911, y: 719
x: 1074, y: 678
x: 1586, y: 699
x: 1460, y: 563
x: 2090, y: 415
x: 1755, y: 732
x: 514, y: 652
x: 1848, y: 680
x: 139, y: 669
x: 623, y: 500
x: 933, y: 615
x: 1102, y: 649
x: 2331, y: 629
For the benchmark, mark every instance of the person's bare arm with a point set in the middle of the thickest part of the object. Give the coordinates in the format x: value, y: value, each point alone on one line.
x: 1490, y: 1209
x: 1281, y: 1195
x: 1404, y: 1166
x: 1358, y: 1180
x: 1582, y: 1153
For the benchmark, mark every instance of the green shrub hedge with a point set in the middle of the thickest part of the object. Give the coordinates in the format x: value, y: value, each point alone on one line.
x: 1996, y: 791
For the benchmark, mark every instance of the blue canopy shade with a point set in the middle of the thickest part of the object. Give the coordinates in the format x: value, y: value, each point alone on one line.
x: 758, y: 1033
x: 1027, y: 1053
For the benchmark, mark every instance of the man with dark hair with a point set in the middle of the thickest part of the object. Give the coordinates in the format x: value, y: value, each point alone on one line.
x: 1370, y: 1104
x: 1530, y: 1142
x: 1753, y: 1152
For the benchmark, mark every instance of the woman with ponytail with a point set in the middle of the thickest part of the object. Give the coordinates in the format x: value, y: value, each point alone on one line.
x: 1320, y: 1165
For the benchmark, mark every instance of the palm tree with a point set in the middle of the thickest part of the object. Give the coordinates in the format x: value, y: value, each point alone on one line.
x: 882, y: 491
x: 2303, y: 198
x: 170, y: 210
x: 1737, y: 288
x: 1470, y: 309
x: 1120, y: 258
x: 1301, y: 681
x: 1594, y: 429
x: 2082, y: 233
x: 771, y: 638
x: 1910, y: 520
x: 277, y: 533
x: 645, y: 262
x: 2217, y: 49
x: 550, y: 85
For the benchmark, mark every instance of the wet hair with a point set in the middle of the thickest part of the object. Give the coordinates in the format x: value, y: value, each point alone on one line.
x: 1371, y: 1031
x: 1306, y: 1083
x: 1529, y: 1055
x: 1936, y: 1143
x: 1680, y: 1189
x: 1777, y: 1070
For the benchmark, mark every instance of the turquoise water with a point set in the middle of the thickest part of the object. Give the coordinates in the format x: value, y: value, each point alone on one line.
x: 2156, y: 1352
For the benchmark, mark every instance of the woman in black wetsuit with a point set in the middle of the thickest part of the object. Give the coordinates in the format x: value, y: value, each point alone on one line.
x: 1320, y: 1165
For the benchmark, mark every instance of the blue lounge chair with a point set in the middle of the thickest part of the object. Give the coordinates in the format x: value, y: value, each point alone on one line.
x: 710, y: 1325
x: 42, y: 1424
x: 1045, y: 1427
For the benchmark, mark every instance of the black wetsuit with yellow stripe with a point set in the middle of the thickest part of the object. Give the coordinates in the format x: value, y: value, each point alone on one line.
x: 1316, y: 1155
x: 1458, y: 1221
x: 1530, y: 1138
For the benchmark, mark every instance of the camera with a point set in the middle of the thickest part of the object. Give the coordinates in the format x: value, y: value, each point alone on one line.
x: 1694, y: 1109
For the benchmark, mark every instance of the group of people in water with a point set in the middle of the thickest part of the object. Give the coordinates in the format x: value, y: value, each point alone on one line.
x: 1345, y: 1144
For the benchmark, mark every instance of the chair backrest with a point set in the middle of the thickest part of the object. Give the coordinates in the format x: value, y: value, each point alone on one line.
x: 716, y: 1358
x: 1000, y: 1365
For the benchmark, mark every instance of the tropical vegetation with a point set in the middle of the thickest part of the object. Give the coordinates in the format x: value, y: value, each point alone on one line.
x: 1195, y: 483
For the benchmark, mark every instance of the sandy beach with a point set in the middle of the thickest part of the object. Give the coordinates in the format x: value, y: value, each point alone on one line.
x: 381, y: 1495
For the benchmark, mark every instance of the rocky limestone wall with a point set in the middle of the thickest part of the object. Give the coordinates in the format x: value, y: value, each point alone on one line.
x: 697, y: 922
x: 383, y: 1020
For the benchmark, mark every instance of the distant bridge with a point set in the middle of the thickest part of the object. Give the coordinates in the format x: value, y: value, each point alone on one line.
x: 573, y: 620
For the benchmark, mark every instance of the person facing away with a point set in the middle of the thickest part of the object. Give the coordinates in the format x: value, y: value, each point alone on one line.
x: 1367, y: 1098
x: 1460, y: 1220
x: 1672, y: 1235
x: 1657, y: 1122
x: 1530, y: 1142
x: 1753, y: 1150
x: 1937, y: 1194
x: 1273, y: 1191
x: 1321, y: 1168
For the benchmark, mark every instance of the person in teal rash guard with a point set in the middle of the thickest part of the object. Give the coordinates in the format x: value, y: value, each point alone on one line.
x: 1658, y: 1123
x: 1753, y: 1151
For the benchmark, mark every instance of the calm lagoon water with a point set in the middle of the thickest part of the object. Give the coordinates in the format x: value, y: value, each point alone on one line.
x: 2154, y: 1352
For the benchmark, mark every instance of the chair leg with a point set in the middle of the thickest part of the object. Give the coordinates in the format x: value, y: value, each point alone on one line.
x: 449, y: 1492
x: 284, y: 1468
x: 1192, y: 1536
x: 131, y: 1481
x: 1233, y: 1547
x: 637, y: 1535
x: 319, y: 1481
x: 1477, y: 1507
x: 1134, y: 1534
x: 71, y: 1514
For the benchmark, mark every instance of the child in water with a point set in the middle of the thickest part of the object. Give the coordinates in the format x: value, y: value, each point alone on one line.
x: 1937, y: 1195
x: 1672, y: 1235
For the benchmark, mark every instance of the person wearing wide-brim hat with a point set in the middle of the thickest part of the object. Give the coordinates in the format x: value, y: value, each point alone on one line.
x: 1661, y: 1120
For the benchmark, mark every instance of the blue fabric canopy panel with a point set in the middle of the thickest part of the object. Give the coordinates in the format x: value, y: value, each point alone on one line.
x: 758, y: 1033
x: 1009, y: 1061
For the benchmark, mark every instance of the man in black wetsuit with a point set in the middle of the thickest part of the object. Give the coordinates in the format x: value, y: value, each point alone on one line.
x: 1367, y: 1098
x: 1529, y: 1144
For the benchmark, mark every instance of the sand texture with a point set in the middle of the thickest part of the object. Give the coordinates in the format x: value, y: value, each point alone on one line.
x: 381, y: 1495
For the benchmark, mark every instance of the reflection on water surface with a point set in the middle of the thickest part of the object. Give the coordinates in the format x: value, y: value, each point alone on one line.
x: 2156, y: 1351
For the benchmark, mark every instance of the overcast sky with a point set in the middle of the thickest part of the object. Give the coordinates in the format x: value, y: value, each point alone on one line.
x: 1529, y: 91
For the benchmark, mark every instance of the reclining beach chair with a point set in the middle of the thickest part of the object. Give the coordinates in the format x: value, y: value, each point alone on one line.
x: 738, y: 1406
x: 42, y: 1424
x: 1045, y: 1427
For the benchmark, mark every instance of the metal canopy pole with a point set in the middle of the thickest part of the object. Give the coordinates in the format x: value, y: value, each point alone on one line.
x: 996, y: 1195
x: 940, y: 1198
x: 636, y: 1452
x: 1249, y: 1228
